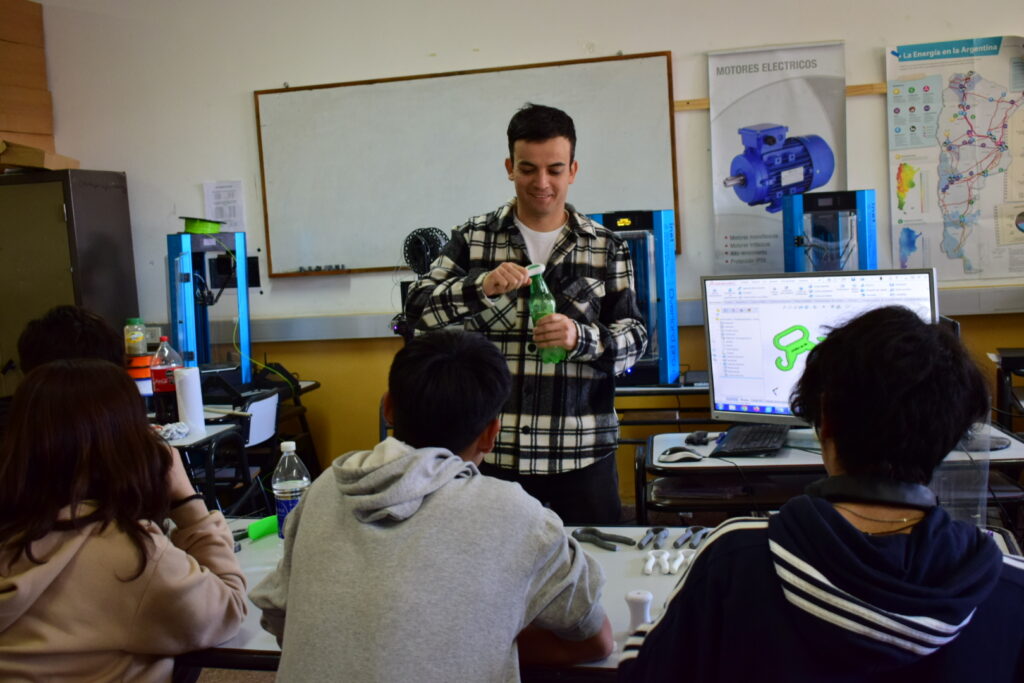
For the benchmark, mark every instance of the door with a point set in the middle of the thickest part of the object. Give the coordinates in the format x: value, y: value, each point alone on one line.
x: 35, y: 264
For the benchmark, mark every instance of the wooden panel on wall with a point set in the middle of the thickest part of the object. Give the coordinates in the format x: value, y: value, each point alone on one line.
x: 43, y: 142
x: 21, y: 21
x: 26, y: 110
x: 22, y: 65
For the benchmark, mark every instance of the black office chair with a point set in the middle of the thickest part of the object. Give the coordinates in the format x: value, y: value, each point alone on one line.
x: 235, y: 465
x: 291, y: 412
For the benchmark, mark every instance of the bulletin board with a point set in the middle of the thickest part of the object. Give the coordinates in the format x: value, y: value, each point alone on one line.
x: 350, y: 169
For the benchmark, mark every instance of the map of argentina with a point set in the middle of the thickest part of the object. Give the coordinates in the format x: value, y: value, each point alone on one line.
x: 905, y: 174
x: 956, y: 142
x: 974, y: 126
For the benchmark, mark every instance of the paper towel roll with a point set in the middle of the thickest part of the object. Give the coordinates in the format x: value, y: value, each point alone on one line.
x: 190, y: 400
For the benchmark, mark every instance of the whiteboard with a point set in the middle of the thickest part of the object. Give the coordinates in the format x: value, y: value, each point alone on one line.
x: 350, y: 169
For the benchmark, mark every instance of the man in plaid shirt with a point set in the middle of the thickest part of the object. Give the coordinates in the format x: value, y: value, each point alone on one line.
x: 559, y: 430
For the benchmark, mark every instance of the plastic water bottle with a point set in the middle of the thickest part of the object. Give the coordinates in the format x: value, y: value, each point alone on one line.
x: 290, y: 481
x: 542, y: 303
x: 161, y: 368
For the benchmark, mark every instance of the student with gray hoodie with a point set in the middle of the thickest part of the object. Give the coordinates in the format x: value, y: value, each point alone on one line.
x: 405, y: 563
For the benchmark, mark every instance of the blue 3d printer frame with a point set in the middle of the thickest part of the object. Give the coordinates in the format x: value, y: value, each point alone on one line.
x: 838, y: 223
x: 188, y: 286
x: 654, y: 269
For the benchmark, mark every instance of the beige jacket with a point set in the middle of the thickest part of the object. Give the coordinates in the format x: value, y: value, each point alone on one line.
x: 74, y: 618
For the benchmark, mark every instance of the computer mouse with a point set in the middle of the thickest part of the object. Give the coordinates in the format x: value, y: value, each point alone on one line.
x: 984, y: 442
x: 698, y: 438
x: 680, y: 454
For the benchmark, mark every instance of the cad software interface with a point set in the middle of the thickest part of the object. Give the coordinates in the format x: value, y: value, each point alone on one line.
x: 759, y: 329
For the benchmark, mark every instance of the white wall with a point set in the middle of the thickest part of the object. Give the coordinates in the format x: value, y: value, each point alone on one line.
x: 162, y: 89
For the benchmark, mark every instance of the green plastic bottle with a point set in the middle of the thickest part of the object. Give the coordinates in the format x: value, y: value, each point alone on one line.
x: 542, y: 303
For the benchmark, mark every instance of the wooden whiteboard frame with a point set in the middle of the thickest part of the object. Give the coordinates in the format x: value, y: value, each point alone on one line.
x: 306, y: 122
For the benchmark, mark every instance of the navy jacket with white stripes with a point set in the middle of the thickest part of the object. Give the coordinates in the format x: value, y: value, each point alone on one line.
x: 807, y: 597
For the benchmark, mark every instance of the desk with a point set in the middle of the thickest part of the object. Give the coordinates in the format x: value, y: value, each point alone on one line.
x: 740, y: 484
x: 296, y: 411
x: 1009, y: 362
x: 660, y: 416
x: 213, y: 432
x: 255, y: 649
x: 189, y: 445
x: 737, y: 485
x: 289, y: 389
x: 792, y: 457
x: 662, y: 390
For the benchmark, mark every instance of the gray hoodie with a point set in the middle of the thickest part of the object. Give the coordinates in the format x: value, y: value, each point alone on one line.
x: 408, y: 564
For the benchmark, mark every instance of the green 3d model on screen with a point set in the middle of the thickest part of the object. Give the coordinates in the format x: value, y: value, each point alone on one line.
x: 792, y: 349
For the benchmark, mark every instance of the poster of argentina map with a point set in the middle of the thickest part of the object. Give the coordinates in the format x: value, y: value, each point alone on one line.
x: 956, y: 156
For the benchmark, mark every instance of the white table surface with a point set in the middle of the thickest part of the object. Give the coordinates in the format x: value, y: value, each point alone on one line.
x: 793, y: 457
x: 211, y: 431
x: 623, y: 572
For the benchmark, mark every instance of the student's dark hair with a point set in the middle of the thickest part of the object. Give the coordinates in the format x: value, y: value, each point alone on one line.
x: 445, y: 387
x: 537, y: 123
x: 897, y: 393
x: 69, y: 332
x: 78, y: 432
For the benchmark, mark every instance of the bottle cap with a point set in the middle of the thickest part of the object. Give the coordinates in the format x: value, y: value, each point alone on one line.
x: 133, y: 321
x: 535, y: 269
x: 164, y: 338
x: 287, y: 446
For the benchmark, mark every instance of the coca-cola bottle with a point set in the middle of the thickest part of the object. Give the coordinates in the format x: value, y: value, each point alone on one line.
x: 161, y: 368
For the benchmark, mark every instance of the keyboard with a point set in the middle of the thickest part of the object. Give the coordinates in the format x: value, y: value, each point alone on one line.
x: 752, y: 439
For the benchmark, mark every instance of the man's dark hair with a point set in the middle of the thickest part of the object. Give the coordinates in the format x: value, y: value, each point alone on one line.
x: 537, y: 123
x: 897, y: 393
x: 68, y: 332
x: 445, y: 387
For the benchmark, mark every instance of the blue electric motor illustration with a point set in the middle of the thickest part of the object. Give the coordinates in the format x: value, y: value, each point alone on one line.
x: 773, y: 166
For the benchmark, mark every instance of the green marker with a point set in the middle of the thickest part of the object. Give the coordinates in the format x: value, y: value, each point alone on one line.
x: 263, y: 527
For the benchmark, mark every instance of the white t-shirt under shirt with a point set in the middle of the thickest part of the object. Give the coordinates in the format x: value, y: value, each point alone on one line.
x: 539, y: 245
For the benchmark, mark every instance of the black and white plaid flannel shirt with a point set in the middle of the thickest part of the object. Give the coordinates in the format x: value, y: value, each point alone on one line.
x: 559, y: 417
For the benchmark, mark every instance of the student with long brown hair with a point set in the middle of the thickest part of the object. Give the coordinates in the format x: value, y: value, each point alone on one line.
x: 91, y: 588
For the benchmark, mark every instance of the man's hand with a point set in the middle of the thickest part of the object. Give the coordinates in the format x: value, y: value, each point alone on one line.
x: 505, y: 278
x: 555, y: 330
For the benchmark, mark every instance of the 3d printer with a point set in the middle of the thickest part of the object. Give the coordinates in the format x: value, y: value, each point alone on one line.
x: 830, y: 231
x: 651, y: 238
x: 191, y: 293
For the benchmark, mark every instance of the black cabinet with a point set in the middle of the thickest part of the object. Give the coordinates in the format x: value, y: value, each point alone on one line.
x: 65, y: 238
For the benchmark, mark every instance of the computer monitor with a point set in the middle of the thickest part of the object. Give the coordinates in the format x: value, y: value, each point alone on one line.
x: 759, y: 329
